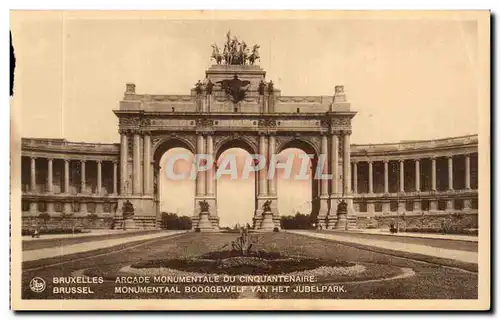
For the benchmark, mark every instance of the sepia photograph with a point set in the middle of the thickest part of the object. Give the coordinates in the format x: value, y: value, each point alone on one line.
x: 250, y: 160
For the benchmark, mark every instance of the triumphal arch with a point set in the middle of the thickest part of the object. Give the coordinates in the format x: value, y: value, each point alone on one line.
x: 235, y: 105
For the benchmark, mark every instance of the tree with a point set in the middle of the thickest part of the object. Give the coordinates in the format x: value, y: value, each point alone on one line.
x: 171, y: 221
x: 299, y: 221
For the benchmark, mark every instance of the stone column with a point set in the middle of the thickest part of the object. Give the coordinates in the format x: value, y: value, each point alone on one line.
x: 355, y: 177
x: 417, y: 175
x: 370, y: 177
x: 115, y: 177
x: 272, y: 182
x: 334, y: 164
x: 123, y: 163
x: 50, y: 175
x: 324, y: 152
x: 467, y: 171
x: 450, y: 173
x: 137, y: 163
x: 33, y: 174
x: 146, y: 163
x: 347, y: 163
x: 386, y: 176
x: 66, y: 175
x: 401, y: 176
x: 433, y: 173
x: 99, y: 176
x: 210, y: 173
x: 263, y: 171
x: 82, y: 172
x: 200, y: 177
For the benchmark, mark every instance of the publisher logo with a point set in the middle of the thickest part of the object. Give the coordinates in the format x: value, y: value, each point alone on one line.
x: 37, y: 284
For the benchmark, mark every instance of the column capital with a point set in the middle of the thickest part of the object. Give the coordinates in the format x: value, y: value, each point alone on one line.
x: 401, y: 160
x: 449, y: 156
x: 385, y: 160
x: 49, y: 158
x: 124, y: 131
x: 345, y: 132
x: 83, y: 160
x: 146, y: 132
x: 416, y: 159
x: 115, y: 161
x: 67, y: 160
x: 98, y: 161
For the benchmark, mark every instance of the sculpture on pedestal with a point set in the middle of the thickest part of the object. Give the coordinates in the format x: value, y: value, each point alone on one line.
x: 204, y: 206
x: 204, y: 223
x: 266, y: 207
x: 267, y: 217
x: 235, y: 52
x: 128, y: 210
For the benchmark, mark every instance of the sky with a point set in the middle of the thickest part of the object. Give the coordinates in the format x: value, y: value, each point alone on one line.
x: 408, y: 79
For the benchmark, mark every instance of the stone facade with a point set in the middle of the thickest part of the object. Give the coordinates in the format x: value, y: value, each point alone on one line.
x: 412, y: 178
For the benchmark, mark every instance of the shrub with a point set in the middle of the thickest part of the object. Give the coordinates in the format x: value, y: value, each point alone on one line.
x: 26, y: 232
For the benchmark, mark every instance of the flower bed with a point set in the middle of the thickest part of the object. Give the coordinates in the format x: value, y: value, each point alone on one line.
x: 231, y: 263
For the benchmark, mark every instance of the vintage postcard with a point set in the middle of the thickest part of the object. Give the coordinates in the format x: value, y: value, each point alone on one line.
x: 250, y: 160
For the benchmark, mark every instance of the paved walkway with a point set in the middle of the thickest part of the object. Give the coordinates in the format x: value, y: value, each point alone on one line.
x: 465, y: 256
x: 460, y: 237
x: 51, y: 252
x: 78, y: 235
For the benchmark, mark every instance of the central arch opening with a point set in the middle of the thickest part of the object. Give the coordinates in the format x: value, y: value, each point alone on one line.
x: 235, y: 189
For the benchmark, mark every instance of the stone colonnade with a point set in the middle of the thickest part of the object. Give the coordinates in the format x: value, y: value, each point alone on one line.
x: 441, y: 180
x: 71, y: 196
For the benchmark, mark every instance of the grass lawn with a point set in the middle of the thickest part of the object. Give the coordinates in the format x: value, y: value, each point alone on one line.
x: 431, y: 281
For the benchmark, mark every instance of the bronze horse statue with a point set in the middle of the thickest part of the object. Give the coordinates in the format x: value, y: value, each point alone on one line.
x: 216, y: 54
x: 255, y: 54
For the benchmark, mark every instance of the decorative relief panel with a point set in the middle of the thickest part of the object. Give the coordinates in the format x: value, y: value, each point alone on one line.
x: 172, y: 123
x: 299, y: 99
x: 302, y: 123
x: 235, y: 123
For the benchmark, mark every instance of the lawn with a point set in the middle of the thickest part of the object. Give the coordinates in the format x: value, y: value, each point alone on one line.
x: 431, y: 280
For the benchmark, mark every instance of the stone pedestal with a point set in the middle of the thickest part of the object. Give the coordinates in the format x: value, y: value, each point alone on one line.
x: 267, y: 223
x: 129, y: 224
x: 342, y: 209
x: 204, y: 224
x: 341, y: 222
x: 144, y: 216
